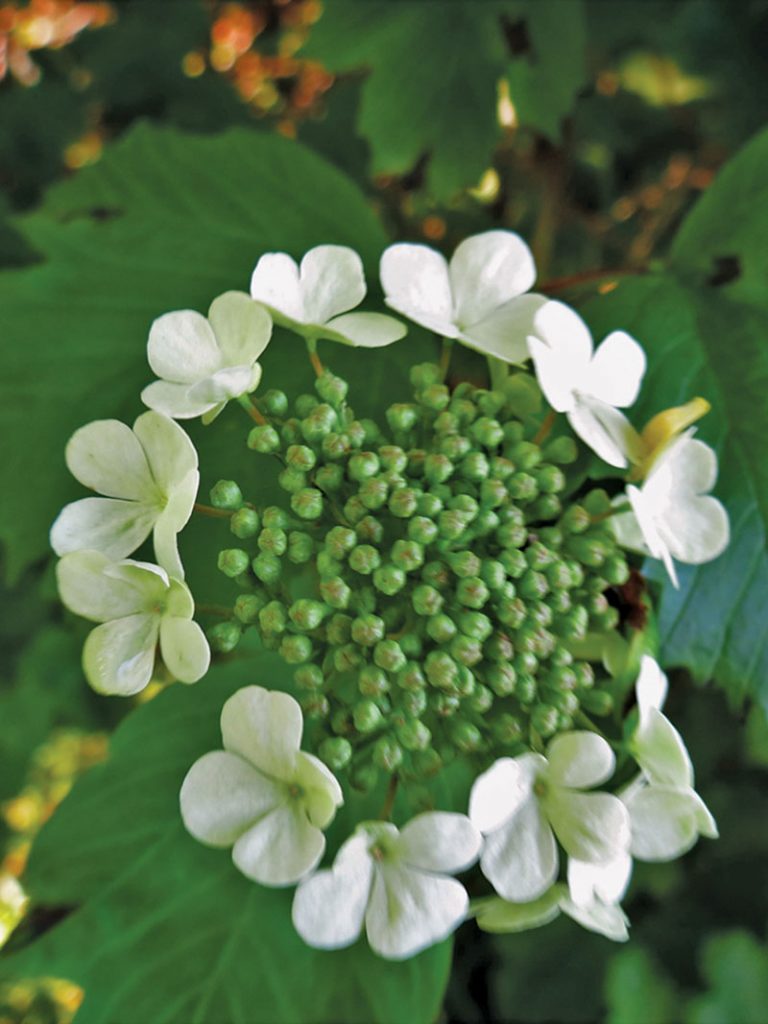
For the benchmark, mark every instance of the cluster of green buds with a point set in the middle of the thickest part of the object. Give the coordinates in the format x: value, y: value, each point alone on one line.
x: 428, y: 579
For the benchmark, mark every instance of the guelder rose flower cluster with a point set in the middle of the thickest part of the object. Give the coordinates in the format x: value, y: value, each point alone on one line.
x: 441, y: 586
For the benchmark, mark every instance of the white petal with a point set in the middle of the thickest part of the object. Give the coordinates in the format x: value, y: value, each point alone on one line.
x: 695, y: 531
x: 590, y: 826
x: 182, y: 347
x: 113, y: 527
x: 264, y: 727
x: 616, y: 370
x: 605, y: 919
x: 606, y: 882
x: 501, y: 790
x: 562, y: 330
x: 503, y: 916
x: 242, y: 328
x: 666, y: 822
x: 147, y: 579
x: 440, y: 841
x: 275, y: 282
x: 552, y: 374
x: 660, y: 751
x: 366, y: 330
x: 322, y: 792
x: 170, y: 453
x: 222, y: 796
x: 520, y: 858
x: 651, y: 687
x: 332, y: 281
x: 184, y: 648
x: 173, y: 400
x: 607, y: 432
x: 231, y: 382
x: 86, y: 590
x: 409, y: 911
x: 627, y: 530
x: 281, y: 848
x: 580, y: 759
x: 329, y: 906
x: 416, y: 283
x: 687, y: 465
x: 106, y: 456
x: 172, y: 520
x: 486, y: 271
x: 503, y: 332
x: 119, y: 656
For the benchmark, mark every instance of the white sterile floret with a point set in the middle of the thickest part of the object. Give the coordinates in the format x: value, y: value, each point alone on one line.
x: 666, y: 814
x: 522, y: 803
x: 203, y: 363
x: 138, y: 605
x: 262, y: 795
x: 589, y: 387
x: 314, y: 298
x: 477, y: 299
x: 393, y: 882
x: 150, y: 478
x: 673, y: 516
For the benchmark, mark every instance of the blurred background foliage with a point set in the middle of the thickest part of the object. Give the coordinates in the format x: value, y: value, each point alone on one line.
x: 592, y: 127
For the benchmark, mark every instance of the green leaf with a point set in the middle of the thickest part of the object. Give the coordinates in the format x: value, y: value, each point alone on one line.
x: 165, y: 221
x: 434, y: 69
x: 170, y: 930
x: 736, y: 967
x: 637, y: 992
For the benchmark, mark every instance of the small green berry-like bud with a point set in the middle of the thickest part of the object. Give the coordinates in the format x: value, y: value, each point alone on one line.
x: 300, y: 547
x: 369, y: 530
x: 538, y: 556
x: 407, y: 555
x: 472, y: 592
x: 305, y: 404
x: 549, y: 478
x: 233, y: 562
x: 296, y: 649
x: 372, y: 681
x: 426, y: 600
x: 487, y: 432
x: 335, y: 446
x: 275, y: 402
x: 512, y: 613
x: 436, y: 397
x: 273, y: 540
x: 466, y: 651
x: 347, y: 658
x: 319, y: 423
x: 522, y: 487
x: 387, y: 754
x: 364, y: 559
x: 224, y: 636
x: 264, y: 439
x: 292, y: 480
x: 291, y: 431
x: 437, y: 468
x: 266, y: 567
x: 455, y: 447
x: 389, y: 579
x: 414, y: 735
x: 411, y: 678
x: 452, y: 523
x: 373, y: 493
x: 245, y: 523
x: 226, y: 494
x: 533, y: 585
x: 309, y: 677
x: 616, y: 570
x: 393, y: 458
x: 335, y: 592
x: 514, y: 562
x: 412, y: 645
x: 336, y: 752
x: 544, y: 719
x: 315, y: 706
x: 465, y: 564
x: 388, y: 655
x: 590, y: 551
x: 429, y: 505
x: 327, y: 566
x: 561, y: 450
x: 339, y: 629
x: 441, y: 628
x: 367, y: 716
x: 299, y: 456
x: 273, y: 618
x: 402, y: 417
x: 331, y: 388
x: 597, y: 702
x: 466, y: 736
x: 493, y: 493
x: 339, y: 541
x: 493, y: 574
x: 499, y: 648
x: 248, y: 606
x: 421, y: 529
x: 404, y: 502
x: 573, y: 625
x: 362, y: 466
x: 308, y: 503
x: 367, y: 630
x: 507, y: 730
x: 575, y: 519
x: 445, y: 705
x: 307, y: 614
x: 329, y: 478
x: 474, y: 467
x: 423, y: 374
x: 475, y: 625
x: 510, y: 536
x: 442, y: 670
x: 502, y: 679
x: 481, y: 700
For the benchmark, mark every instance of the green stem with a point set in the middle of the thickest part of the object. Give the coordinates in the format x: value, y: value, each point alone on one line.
x: 499, y: 371
x: 314, y: 358
x: 209, y: 510
x: 219, y: 610
x: 252, y: 411
x: 386, y: 811
x: 546, y: 427
x: 445, y: 357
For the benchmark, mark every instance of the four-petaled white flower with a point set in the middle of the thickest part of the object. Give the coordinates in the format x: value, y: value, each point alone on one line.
x: 262, y: 793
x: 150, y: 478
x: 137, y: 604
x: 314, y: 298
x: 203, y: 363
x: 522, y: 803
x: 477, y: 299
x: 393, y: 882
x: 673, y: 516
x: 666, y: 814
x: 589, y: 387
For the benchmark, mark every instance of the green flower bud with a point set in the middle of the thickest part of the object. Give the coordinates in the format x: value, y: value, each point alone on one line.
x: 575, y: 519
x: 436, y: 397
x: 437, y: 468
x: 452, y: 523
x: 411, y: 678
x: 319, y: 423
x: 273, y: 618
x: 436, y: 574
x: 372, y: 681
x: 616, y: 570
x: 244, y: 523
x: 308, y: 503
x: 402, y: 417
x: 585, y: 675
x: 562, y: 678
x: 464, y: 410
x: 597, y: 702
x: 466, y: 736
x: 248, y: 606
x: 481, y: 700
x: 474, y: 466
x: 561, y: 450
x: 300, y: 547
x: 335, y: 446
x: 544, y: 719
x: 233, y: 562
x: 472, y: 592
x: 329, y: 478
x: 507, y: 730
x: 296, y: 649
x: 455, y: 447
x: 524, y: 454
x: 362, y: 466
x: 490, y: 403
x: 512, y: 613
x: 466, y: 650
x: 441, y: 628
x: 426, y: 600
x: 526, y: 689
x: 487, y: 432
x: 549, y: 478
x: 367, y: 630
x: 389, y: 579
x: 393, y: 458
x: 364, y: 559
x: 590, y: 551
x: 264, y: 439
x: 305, y: 405
x: 423, y: 374
x: 411, y: 644
x: 315, y: 706
x: 597, y: 502
x: 330, y: 388
x: 538, y: 556
x: 539, y: 613
x: 374, y: 493
x: 387, y: 754
x: 533, y: 585
x: 339, y: 541
x: 522, y: 487
x: 226, y: 495
x: 422, y: 530
x: 300, y: 457
x: 359, y: 432
x: 224, y: 636
x: 309, y: 677
x: 335, y: 592
x: 413, y: 702
x: 493, y: 493
x: 292, y: 480
x: 336, y: 752
x: 441, y: 670
x: 274, y: 402
x: 429, y: 505
x: 545, y: 507
x: 414, y: 735
x: 404, y: 502
x: 367, y: 716
x: 388, y: 655
x: 407, y: 555
x: 427, y: 763
x: 347, y: 658
x: 510, y: 535
x: 573, y: 625
x: 493, y: 574
x: 369, y: 530
x: 274, y: 541
x: 499, y: 647
x: 339, y: 629
x: 307, y: 614
x: 327, y: 566
x: 445, y: 705
x: 514, y: 562
x: 502, y: 679
x: 465, y: 564
x: 475, y: 625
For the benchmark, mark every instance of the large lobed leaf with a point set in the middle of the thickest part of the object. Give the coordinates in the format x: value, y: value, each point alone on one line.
x: 170, y: 930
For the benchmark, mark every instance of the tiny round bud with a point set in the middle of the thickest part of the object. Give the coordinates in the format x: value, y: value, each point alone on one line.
x: 273, y: 540
x: 426, y: 600
x: 445, y: 705
x: 616, y: 570
x: 481, y: 700
x: 226, y: 495
x: 522, y: 487
x: 362, y: 466
x: 248, y: 606
x: 411, y: 677
x: 290, y: 431
x: 493, y: 493
x: 533, y: 585
x: 389, y: 579
x: 465, y: 564
x: 339, y: 629
x: 335, y: 592
x: 327, y: 566
x: 493, y: 574
x: 597, y: 702
x: 364, y: 559
x: 561, y: 450
x: 369, y: 530
x: 421, y: 529
x: 331, y: 388
x: 407, y: 555
x: 309, y: 677
x: 512, y: 613
x: 575, y: 519
x: 308, y: 503
x: 367, y: 716
x: 373, y: 493
x: 466, y: 736
x: 487, y: 431
x: 224, y: 636
x: 423, y: 374
x: 393, y: 458
x: 347, y: 658
x: 441, y: 628
x: 233, y: 562
x: 305, y: 404
x: 315, y: 706
x: 339, y: 541
x: 472, y: 592
x: 441, y: 670
x: 335, y: 446
x: 499, y: 647
x: 510, y: 536
x: 404, y: 502
x: 388, y: 655
x: 437, y: 468
x: 329, y: 478
x: 402, y: 417
x: 299, y: 456
x: 336, y: 752
x: 319, y: 423
x: 502, y: 679
x: 273, y: 618
x: 466, y: 650
x: 549, y: 479
x: 544, y: 719
x: 292, y: 480
x: 264, y: 439
x: 296, y: 649
x: 372, y: 681
x: 300, y: 547
x: 245, y: 523
x: 507, y: 730
x: 307, y: 614
x: 367, y: 630
x: 275, y: 402
x: 475, y: 625
x: 414, y: 735
x: 436, y: 397
x: 514, y: 562
x: 387, y: 754
x: 358, y: 433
